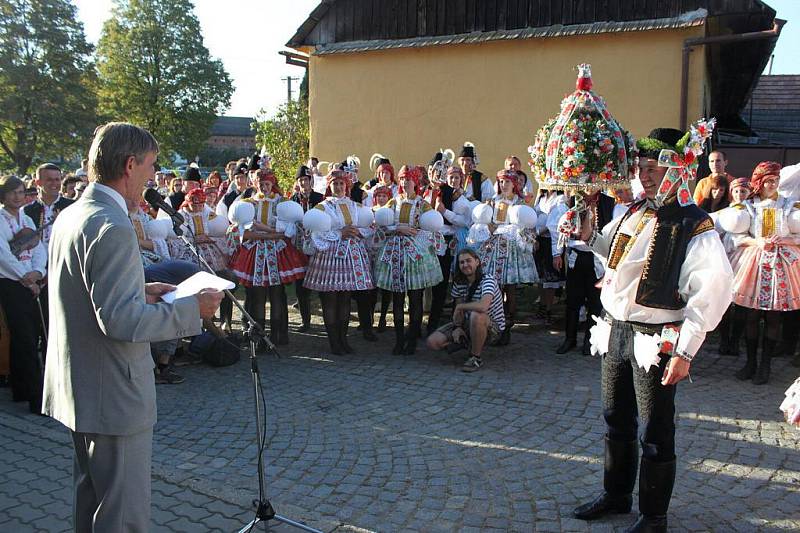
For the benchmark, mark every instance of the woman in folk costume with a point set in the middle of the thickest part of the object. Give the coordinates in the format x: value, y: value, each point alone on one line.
x: 266, y: 260
x: 152, y: 234
x: 381, y: 195
x: 339, y: 263
x: 22, y: 269
x: 550, y: 277
x: 407, y: 262
x: 208, y: 233
x: 384, y: 177
x: 733, y: 322
x: 456, y: 211
x: 206, y: 230
x: 507, y: 254
x: 767, y: 278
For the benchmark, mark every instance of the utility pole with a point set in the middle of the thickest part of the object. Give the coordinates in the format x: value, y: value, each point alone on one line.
x: 288, y: 81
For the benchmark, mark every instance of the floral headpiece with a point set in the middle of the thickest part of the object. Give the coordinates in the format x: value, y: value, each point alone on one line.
x: 584, y: 148
x: 682, y: 164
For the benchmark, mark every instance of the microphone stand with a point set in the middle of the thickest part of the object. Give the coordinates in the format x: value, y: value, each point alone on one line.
x: 256, y: 335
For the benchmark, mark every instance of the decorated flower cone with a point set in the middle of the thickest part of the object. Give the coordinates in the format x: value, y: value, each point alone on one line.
x: 583, y: 150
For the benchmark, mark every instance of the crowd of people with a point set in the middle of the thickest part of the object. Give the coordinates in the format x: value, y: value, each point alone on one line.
x: 644, y: 265
x: 396, y: 235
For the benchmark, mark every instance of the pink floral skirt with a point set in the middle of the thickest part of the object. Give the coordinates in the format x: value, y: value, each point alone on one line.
x: 768, y: 279
x: 268, y: 263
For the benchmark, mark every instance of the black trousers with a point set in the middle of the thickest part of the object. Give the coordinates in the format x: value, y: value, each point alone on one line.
x: 439, y: 292
x: 22, y: 314
x: 581, y: 290
x: 635, y: 403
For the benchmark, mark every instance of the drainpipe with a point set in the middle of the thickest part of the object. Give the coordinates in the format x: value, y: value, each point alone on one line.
x: 690, y: 43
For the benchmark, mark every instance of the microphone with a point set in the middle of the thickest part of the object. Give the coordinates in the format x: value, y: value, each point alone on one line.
x: 152, y: 197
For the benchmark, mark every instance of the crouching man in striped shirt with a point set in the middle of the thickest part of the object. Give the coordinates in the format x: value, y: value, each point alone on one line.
x: 478, y: 317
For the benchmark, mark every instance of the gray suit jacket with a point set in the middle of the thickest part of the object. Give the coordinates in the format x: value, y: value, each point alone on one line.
x: 99, y: 371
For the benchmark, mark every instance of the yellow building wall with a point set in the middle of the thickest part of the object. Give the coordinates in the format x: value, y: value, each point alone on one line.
x: 408, y: 103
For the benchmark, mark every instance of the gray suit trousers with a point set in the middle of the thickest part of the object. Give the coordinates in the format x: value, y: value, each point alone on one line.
x: 112, y: 482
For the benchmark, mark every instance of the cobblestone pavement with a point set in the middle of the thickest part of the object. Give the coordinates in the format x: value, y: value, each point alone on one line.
x: 374, y: 442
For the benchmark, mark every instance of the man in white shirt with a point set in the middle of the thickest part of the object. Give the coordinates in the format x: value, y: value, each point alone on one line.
x: 667, y: 283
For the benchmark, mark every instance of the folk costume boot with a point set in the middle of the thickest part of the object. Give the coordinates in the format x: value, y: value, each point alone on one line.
x: 619, y: 477
x: 333, y: 339
x: 410, y: 347
x: 342, y: 329
x: 655, y: 491
x: 570, y: 339
x: 762, y: 374
x: 399, y: 339
x: 749, y: 368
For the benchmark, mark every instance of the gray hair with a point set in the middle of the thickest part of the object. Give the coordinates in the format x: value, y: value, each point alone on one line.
x: 113, y: 144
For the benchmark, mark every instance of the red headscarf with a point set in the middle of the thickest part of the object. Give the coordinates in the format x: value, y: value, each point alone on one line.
x: 389, y: 168
x: 195, y: 195
x: 412, y: 173
x: 338, y: 175
x: 266, y: 174
x: 764, y: 170
x: 508, y: 175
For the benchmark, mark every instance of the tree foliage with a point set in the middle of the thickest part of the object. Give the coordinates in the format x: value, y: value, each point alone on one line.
x: 156, y: 72
x: 286, y: 138
x: 47, y: 79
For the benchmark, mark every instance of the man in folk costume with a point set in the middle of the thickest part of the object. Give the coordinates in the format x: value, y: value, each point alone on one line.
x: 44, y: 210
x: 667, y: 283
x: 476, y: 185
x: 239, y: 188
x: 308, y: 198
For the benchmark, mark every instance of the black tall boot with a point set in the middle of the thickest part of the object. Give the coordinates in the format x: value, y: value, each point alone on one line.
x: 762, y: 374
x: 410, y: 347
x: 655, y: 491
x: 399, y: 339
x: 365, y: 305
x: 571, y: 336
x: 342, y: 328
x: 749, y: 368
x: 619, y: 477
x: 303, y: 305
x: 333, y: 339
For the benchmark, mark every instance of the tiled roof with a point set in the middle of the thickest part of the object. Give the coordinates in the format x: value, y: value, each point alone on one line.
x: 774, y: 109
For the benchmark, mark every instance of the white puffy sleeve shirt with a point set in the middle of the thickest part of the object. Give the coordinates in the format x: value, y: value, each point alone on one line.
x: 705, y: 283
x: 12, y: 267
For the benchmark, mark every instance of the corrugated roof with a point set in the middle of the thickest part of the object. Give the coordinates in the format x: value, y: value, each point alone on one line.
x: 232, y: 127
x: 693, y: 18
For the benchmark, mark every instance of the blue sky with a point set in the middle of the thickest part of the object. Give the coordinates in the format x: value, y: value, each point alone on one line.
x: 248, y: 34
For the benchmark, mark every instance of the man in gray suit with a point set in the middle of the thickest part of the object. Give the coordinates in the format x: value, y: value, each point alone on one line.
x: 99, y: 373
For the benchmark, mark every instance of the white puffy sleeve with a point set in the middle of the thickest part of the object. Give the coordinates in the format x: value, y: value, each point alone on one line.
x: 705, y: 284
x: 553, y: 218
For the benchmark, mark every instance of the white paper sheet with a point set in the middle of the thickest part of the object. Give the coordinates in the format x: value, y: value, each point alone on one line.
x: 195, y: 284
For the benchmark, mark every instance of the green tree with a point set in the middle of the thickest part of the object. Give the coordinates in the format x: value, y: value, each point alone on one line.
x: 47, y: 80
x: 286, y: 138
x: 155, y: 71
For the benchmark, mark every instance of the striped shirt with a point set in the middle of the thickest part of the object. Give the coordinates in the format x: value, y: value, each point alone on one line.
x: 488, y: 285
